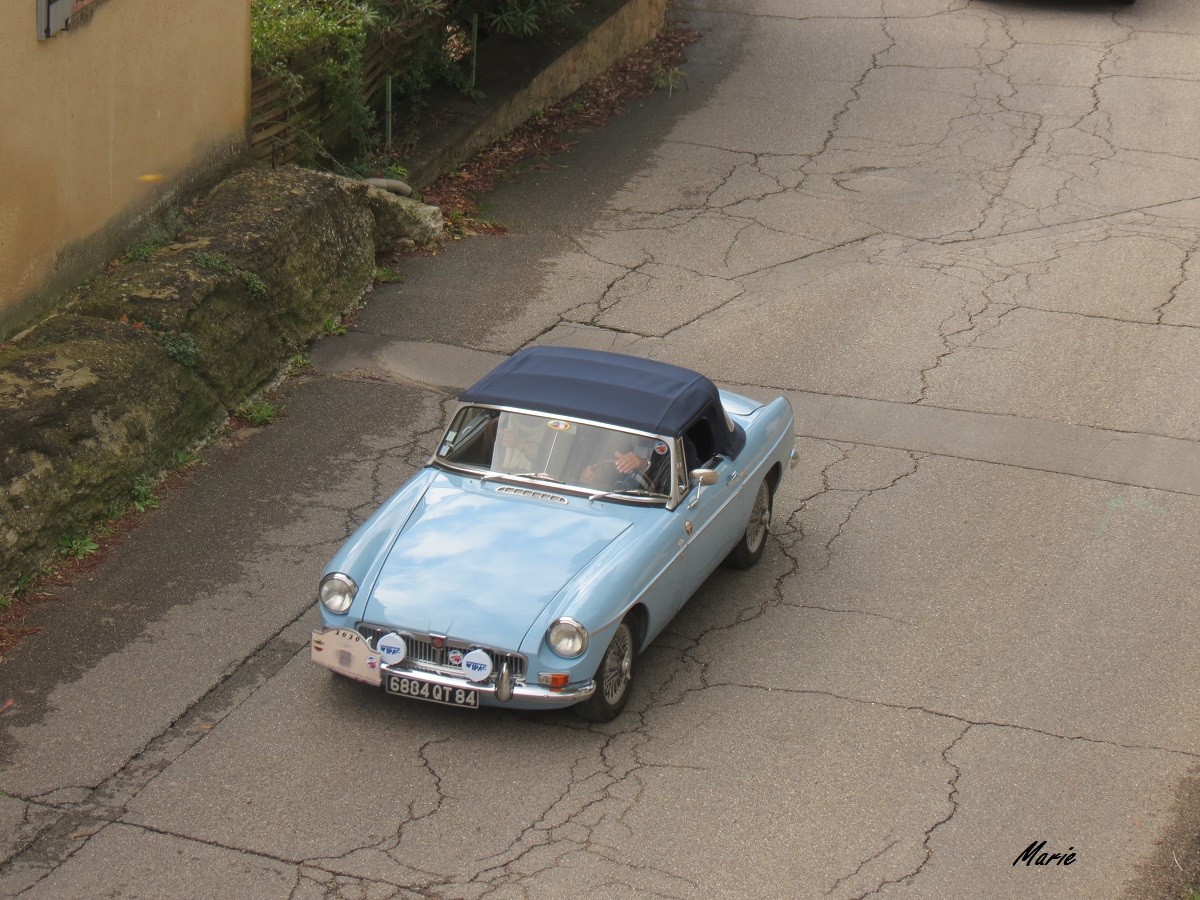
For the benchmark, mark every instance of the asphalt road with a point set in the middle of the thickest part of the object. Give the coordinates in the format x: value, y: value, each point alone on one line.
x: 961, y: 238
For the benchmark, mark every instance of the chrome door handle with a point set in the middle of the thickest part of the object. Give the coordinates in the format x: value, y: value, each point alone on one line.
x: 733, y: 476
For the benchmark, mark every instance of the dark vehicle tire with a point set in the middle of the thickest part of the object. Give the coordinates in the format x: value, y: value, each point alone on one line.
x: 614, y: 678
x: 749, y: 549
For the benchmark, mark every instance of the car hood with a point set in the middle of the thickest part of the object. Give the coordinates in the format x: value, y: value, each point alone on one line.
x: 480, y: 566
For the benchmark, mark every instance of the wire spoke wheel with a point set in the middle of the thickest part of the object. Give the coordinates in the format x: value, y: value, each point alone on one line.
x: 760, y: 519
x: 618, y: 665
x: 614, y: 678
x: 749, y: 549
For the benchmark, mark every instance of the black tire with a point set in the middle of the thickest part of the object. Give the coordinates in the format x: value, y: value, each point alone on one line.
x: 750, y: 545
x: 614, y: 678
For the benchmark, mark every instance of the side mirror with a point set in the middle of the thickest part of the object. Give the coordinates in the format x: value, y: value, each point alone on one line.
x: 701, y: 477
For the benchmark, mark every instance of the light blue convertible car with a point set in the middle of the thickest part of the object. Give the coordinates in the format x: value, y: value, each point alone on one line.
x: 575, y: 503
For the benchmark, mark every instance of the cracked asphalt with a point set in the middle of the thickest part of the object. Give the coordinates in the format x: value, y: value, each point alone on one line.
x: 961, y: 237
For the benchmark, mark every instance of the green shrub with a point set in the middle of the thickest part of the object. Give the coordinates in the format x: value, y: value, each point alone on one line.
x: 308, y: 46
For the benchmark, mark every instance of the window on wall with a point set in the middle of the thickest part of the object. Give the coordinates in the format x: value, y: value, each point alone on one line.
x: 55, y: 15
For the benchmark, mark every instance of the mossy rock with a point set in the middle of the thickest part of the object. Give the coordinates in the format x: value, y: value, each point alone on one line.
x: 308, y: 236
x: 150, y: 356
x: 86, y: 407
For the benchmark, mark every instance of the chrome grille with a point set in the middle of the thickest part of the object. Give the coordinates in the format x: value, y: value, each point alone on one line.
x: 422, y: 652
x: 525, y: 492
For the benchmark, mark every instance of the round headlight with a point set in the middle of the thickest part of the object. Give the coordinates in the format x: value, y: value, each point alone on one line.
x: 337, y: 592
x: 567, y: 638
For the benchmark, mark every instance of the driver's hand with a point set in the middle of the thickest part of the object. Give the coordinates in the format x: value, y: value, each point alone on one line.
x: 630, y: 462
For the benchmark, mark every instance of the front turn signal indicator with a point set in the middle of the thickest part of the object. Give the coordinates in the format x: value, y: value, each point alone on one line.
x: 556, y: 681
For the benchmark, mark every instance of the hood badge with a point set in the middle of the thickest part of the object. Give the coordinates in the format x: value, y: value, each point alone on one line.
x: 438, y: 640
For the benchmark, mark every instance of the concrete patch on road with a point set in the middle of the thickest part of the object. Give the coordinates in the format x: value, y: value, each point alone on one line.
x: 570, y: 334
x: 878, y: 329
x: 1096, y: 372
x: 721, y: 243
x: 131, y: 862
x: 993, y: 595
x: 828, y: 56
x: 390, y: 788
x: 21, y: 823
x: 1122, y: 458
x: 654, y: 299
x: 373, y: 357
x: 835, y: 813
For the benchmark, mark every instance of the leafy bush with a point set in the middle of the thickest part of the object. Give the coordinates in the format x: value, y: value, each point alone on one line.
x: 311, y: 45
x: 523, y: 18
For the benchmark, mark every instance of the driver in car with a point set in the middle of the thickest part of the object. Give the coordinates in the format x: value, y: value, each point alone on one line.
x: 642, y: 465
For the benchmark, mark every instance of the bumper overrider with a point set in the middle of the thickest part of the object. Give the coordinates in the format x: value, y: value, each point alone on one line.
x: 348, y: 653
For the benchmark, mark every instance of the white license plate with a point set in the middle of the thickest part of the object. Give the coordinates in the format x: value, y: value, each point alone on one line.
x: 434, y: 693
x: 345, y: 652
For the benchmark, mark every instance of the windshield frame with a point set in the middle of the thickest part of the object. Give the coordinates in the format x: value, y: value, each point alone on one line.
x: 671, y: 499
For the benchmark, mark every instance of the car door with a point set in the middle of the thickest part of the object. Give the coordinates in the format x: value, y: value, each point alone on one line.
x: 709, y: 537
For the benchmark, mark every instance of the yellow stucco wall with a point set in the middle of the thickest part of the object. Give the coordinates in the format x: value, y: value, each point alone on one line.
x: 103, y: 120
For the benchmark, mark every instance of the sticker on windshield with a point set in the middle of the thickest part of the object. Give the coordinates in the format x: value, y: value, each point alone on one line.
x: 558, y: 425
x: 661, y: 447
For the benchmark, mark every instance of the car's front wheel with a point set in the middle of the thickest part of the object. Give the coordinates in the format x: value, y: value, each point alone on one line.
x: 614, y: 678
x: 749, y: 549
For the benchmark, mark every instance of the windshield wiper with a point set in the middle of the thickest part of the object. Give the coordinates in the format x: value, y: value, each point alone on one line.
x: 628, y: 492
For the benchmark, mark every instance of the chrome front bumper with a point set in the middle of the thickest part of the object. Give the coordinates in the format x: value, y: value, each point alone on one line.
x: 345, y: 651
x: 532, y: 694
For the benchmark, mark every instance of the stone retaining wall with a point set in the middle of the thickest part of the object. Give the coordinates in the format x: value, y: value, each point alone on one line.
x: 146, y: 360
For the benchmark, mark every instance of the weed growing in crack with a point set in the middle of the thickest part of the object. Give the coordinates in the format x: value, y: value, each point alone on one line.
x: 222, y: 264
x: 157, y: 236
x: 299, y: 363
x: 253, y: 283
x: 218, y: 262
x: 185, y: 459
x: 669, y: 79
x: 143, y: 494
x: 77, y: 546
x: 259, y: 412
x: 333, y: 326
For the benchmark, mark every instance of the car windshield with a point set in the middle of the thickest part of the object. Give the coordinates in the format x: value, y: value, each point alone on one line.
x: 589, y: 457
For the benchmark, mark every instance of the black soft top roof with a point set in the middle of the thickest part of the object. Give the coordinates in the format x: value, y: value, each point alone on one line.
x: 613, y: 388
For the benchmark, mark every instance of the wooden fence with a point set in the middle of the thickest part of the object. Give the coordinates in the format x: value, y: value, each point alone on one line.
x: 280, y: 131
